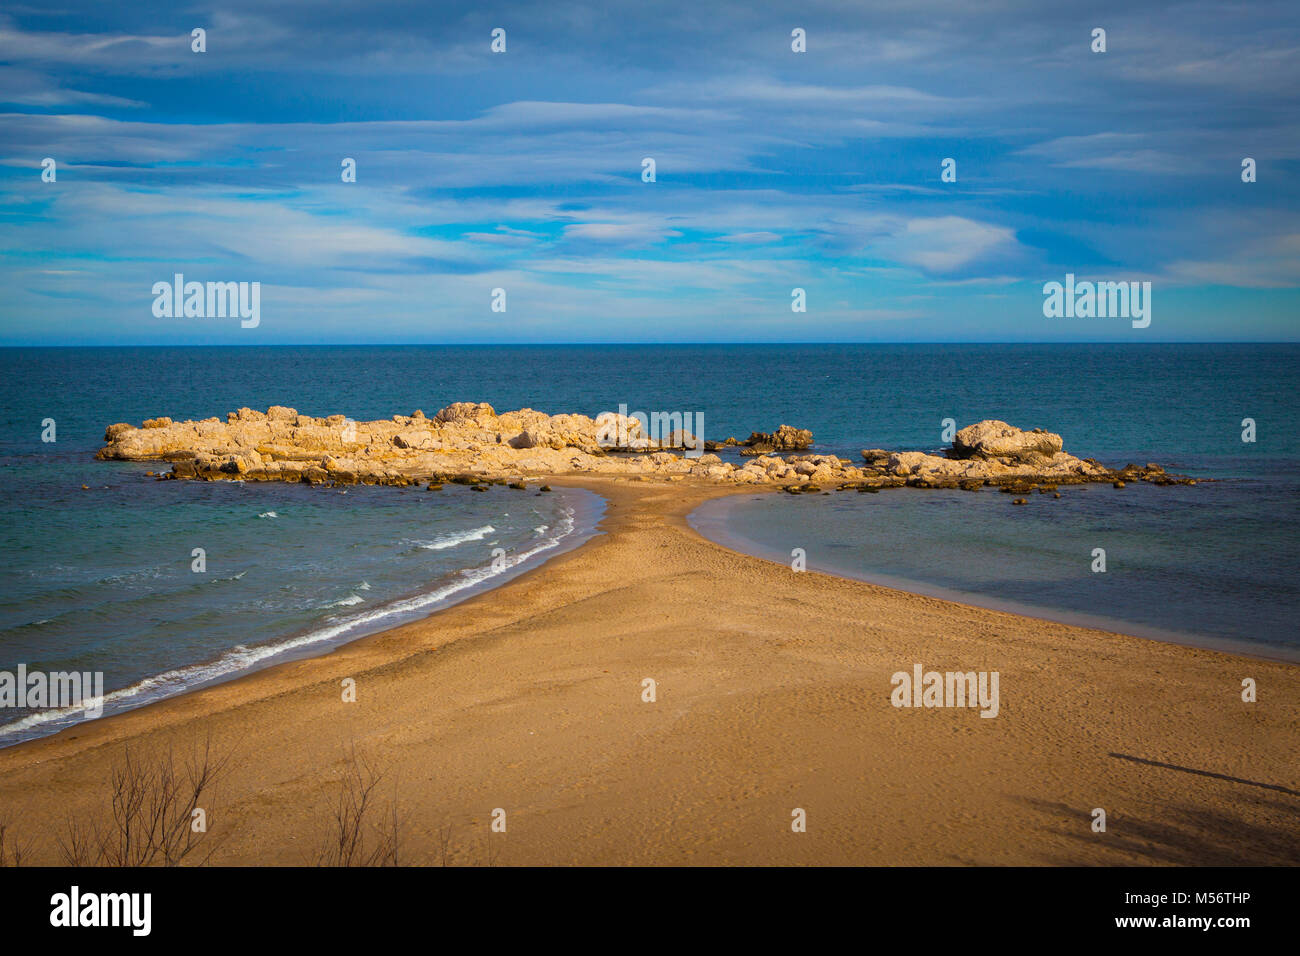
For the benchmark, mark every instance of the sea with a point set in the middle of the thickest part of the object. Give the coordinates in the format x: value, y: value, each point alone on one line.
x: 107, y: 578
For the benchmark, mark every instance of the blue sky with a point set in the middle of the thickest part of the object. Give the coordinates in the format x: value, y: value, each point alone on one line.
x: 522, y: 170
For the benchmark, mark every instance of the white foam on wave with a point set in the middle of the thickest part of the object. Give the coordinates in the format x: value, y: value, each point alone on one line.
x: 268, y: 514
x: 459, y: 537
x: 241, y: 657
x: 348, y: 601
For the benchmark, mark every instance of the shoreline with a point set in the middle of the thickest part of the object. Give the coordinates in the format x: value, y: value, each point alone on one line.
x: 323, y: 636
x: 785, y: 702
x: 714, y: 528
x: 721, y: 537
x: 595, y: 513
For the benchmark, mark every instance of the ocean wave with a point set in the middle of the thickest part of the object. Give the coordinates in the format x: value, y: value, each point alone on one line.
x: 123, y: 578
x: 349, y: 601
x: 268, y: 514
x: 218, y: 579
x: 44, y: 620
x: 452, y: 540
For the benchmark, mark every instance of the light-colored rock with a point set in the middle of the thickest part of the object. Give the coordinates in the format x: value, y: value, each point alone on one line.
x: 463, y: 411
x: 472, y: 439
x: 995, y: 439
x: 415, y: 438
x: 619, y: 431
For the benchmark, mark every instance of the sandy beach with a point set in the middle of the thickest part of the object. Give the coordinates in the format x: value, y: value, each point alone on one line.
x: 773, y: 693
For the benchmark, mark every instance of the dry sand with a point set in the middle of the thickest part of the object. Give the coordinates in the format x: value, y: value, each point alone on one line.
x: 773, y: 693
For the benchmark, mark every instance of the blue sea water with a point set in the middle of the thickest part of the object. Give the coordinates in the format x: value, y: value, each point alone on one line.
x: 101, y: 579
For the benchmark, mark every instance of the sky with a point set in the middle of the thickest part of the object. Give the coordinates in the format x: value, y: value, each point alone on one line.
x: 522, y: 170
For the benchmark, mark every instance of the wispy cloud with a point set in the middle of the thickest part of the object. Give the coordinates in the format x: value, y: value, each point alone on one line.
x: 774, y: 169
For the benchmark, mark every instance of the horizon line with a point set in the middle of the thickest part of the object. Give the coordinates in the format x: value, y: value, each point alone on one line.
x: 498, y: 344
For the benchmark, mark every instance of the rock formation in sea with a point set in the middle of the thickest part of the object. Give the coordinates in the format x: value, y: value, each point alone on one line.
x: 470, y: 443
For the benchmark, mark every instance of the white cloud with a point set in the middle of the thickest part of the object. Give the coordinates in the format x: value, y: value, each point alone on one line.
x: 616, y: 233
x: 946, y: 243
x: 1272, y: 263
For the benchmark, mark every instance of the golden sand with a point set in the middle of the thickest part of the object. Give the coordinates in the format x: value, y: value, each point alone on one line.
x: 773, y: 693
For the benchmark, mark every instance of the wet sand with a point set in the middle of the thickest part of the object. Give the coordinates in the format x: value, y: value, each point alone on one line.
x: 773, y: 693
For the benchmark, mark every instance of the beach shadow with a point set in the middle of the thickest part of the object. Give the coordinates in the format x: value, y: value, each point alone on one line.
x: 1178, y: 835
x: 1207, y: 773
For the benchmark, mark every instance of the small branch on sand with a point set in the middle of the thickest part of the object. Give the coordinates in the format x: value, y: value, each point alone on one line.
x: 361, y: 833
x: 13, y: 852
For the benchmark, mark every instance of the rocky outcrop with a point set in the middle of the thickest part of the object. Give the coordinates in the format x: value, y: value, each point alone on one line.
x: 995, y: 453
x: 471, y: 443
x: 1061, y: 468
x: 998, y: 440
x: 785, y: 438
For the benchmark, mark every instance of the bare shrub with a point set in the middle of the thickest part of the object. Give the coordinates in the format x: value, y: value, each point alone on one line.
x: 12, y: 851
x: 150, y: 816
x: 362, y: 834
x: 444, y: 840
x: 489, y: 849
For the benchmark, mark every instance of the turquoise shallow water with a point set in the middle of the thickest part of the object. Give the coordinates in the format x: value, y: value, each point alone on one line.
x: 102, y: 579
